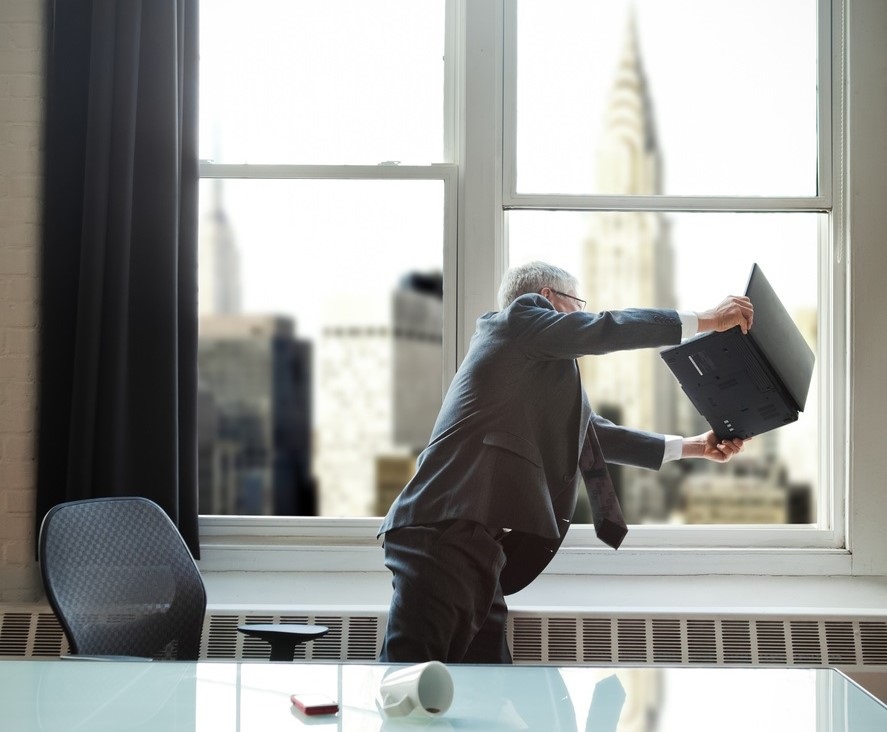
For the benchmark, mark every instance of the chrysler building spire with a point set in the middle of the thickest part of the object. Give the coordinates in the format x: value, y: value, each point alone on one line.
x: 629, y: 152
x: 219, y: 265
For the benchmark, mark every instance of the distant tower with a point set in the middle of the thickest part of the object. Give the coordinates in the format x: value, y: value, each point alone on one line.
x: 627, y: 257
x: 254, y: 414
x: 628, y: 261
x: 219, y: 260
x: 628, y: 154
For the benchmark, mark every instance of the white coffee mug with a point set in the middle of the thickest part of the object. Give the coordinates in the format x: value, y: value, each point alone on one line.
x: 426, y: 688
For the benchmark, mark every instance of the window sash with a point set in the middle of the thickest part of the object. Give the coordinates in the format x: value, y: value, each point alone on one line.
x: 833, y: 342
x: 822, y: 202
x: 448, y: 173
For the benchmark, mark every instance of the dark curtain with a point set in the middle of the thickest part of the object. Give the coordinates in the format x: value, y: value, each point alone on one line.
x: 118, y: 328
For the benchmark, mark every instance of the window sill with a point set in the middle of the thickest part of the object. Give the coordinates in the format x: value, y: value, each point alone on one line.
x: 334, y: 565
x: 266, y: 544
x: 369, y: 592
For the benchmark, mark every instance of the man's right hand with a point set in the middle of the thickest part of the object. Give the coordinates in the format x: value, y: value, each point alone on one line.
x: 733, y: 310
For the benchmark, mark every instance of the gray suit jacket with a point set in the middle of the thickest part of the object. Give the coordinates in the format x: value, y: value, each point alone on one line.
x: 505, y: 448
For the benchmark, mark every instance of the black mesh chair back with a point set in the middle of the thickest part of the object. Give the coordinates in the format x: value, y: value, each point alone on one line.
x: 121, y: 580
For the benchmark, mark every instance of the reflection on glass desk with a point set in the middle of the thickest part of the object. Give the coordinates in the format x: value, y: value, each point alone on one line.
x: 210, y: 696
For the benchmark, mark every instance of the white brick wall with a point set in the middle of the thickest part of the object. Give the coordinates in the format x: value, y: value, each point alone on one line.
x: 21, y: 109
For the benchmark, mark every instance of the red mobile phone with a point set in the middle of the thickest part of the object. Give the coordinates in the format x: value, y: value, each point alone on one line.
x: 312, y: 704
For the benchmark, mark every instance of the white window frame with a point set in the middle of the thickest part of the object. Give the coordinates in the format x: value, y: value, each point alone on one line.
x: 829, y: 532
x: 479, y: 179
x: 351, y: 531
x: 268, y: 543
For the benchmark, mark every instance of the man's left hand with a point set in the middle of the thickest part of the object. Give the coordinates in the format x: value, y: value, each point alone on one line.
x: 708, y: 446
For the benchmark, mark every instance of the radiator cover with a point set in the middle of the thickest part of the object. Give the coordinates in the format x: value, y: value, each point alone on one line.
x: 563, y: 639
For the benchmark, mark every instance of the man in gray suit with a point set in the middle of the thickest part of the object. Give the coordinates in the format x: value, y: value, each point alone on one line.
x: 496, y: 487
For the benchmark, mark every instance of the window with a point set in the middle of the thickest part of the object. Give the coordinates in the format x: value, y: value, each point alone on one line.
x: 340, y: 82
x: 657, y: 259
x: 650, y: 152
x: 676, y: 98
x: 325, y: 242
x: 626, y: 141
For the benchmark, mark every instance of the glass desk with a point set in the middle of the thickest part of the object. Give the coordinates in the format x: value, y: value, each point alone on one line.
x: 74, y: 695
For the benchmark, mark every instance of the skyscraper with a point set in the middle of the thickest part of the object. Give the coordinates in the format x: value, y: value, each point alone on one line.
x: 628, y: 261
x: 255, y: 417
x: 379, y: 391
x: 219, y: 260
x: 627, y: 257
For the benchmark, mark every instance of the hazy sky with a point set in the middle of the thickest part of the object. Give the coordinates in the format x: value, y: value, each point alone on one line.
x: 733, y: 95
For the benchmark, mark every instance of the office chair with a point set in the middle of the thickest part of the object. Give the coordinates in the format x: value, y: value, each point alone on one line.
x: 121, y: 581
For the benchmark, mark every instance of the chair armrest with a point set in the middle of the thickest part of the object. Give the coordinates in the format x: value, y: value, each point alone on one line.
x: 283, y: 637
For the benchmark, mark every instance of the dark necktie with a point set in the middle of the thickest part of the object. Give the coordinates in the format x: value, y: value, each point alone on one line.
x: 609, y: 524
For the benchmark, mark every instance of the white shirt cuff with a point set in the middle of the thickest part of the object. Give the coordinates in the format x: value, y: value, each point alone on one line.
x: 674, y: 447
x: 689, y: 323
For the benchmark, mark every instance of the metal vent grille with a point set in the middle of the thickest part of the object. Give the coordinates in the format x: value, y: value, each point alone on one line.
x: 328, y: 648
x: 351, y: 637
x: 840, y: 642
x: 736, y: 639
x: 805, y: 643
x: 363, y: 637
x: 221, y: 637
x: 256, y: 648
x: 527, y: 638
x: 667, y: 641
x: 631, y: 636
x: 733, y: 641
x: 49, y: 638
x: 556, y: 638
x: 702, y: 642
x: 562, y: 646
x: 874, y: 642
x: 771, y: 641
x: 597, y: 640
x: 31, y: 634
x: 14, y: 634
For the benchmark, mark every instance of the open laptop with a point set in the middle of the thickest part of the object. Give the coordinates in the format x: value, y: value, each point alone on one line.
x: 744, y: 385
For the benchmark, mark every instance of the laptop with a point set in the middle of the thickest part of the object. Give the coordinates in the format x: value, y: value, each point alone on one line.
x: 745, y: 385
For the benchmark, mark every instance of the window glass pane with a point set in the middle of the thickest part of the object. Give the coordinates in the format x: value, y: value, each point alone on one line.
x: 334, y: 82
x: 680, y: 97
x: 688, y: 261
x: 320, y: 358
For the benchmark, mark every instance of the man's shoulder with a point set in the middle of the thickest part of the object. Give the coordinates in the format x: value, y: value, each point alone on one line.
x: 529, y: 303
x: 521, y: 311
x: 531, y: 300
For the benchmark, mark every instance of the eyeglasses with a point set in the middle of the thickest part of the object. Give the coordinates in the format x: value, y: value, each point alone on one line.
x: 572, y: 297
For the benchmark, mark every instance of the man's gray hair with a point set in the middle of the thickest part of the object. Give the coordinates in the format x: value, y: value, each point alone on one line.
x: 532, y: 277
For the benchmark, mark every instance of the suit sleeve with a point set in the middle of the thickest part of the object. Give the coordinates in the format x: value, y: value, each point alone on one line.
x: 544, y: 333
x: 627, y: 446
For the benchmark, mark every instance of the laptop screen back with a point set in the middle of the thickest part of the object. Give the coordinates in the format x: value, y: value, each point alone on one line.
x: 777, y: 336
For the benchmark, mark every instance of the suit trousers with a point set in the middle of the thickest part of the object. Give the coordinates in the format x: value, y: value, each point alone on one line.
x: 447, y: 603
